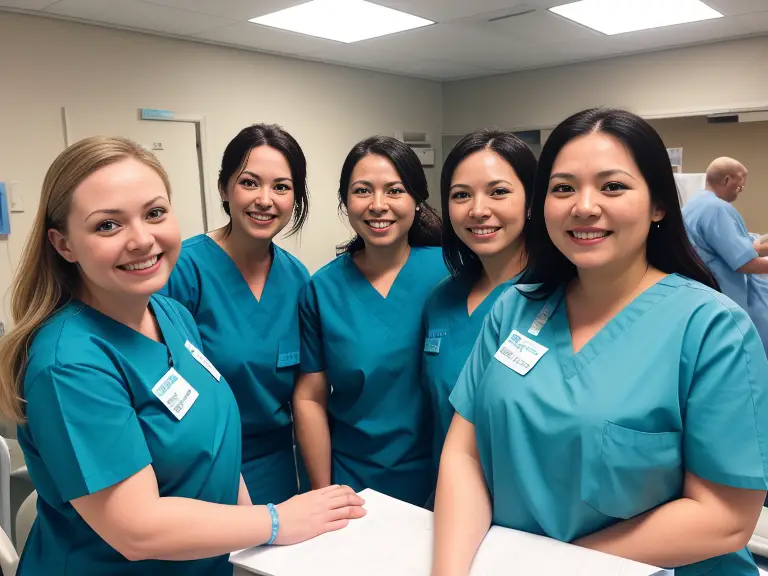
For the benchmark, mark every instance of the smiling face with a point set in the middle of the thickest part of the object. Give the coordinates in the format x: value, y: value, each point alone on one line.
x: 121, y: 232
x: 598, y: 209
x: 261, y: 195
x: 487, y: 204
x: 734, y: 184
x: 379, y: 208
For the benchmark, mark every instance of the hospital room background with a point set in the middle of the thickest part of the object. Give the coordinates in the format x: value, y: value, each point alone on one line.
x: 182, y: 77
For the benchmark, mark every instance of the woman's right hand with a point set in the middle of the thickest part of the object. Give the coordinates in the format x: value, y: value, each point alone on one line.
x: 308, y: 515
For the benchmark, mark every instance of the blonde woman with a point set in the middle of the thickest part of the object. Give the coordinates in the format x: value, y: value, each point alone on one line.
x: 131, y: 436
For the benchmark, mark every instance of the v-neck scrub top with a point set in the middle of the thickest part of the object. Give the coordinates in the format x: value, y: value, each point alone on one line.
x: 676, y: 381
x: 94, y: 421
x: 256, y: 346
x: 370, y: 349
x: 450, y: 333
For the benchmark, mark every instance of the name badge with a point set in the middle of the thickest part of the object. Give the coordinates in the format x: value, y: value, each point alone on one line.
x: 176, y: 393
x: 520, y: 353
x: 433, y: 340
x: 200, y: 357
x: 288, y: 359
x: 432, y: 345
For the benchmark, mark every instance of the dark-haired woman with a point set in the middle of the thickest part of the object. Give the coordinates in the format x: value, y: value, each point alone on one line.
x: 620, y: 402
x: 485, y: 188
x: 243, y: 291
x: 359, y: 403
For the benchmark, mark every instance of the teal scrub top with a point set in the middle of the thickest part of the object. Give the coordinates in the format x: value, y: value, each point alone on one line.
x: 370, y: 349
x: 757, y: 301
x: 93, y: 421
x: 255, y: 344
x: 717, y: 231
x: 449, y: 334
x: 674, y: 382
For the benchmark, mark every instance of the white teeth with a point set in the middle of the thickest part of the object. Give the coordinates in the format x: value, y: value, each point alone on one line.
x: 141, y: 265
x: 262, y: 217
x: 483, y: 231
x: 379, y: 225
x: 590, y: 235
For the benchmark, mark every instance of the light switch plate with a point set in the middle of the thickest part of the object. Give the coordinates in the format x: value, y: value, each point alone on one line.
x: 15, y: 197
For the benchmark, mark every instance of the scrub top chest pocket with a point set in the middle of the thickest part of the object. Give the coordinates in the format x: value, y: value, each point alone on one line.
x: 627, y: 472
x: 288, y: 352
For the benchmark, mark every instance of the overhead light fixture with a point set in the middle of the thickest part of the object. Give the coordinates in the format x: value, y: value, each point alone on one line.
x: 342, y: 20
x: 619, y: 16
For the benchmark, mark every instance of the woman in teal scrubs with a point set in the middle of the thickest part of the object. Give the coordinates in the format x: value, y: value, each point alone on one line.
x: 130, y: 434
x: 360, y: 407
x: 243, y: 292
x: 485, y: 189
x: 617, y: 401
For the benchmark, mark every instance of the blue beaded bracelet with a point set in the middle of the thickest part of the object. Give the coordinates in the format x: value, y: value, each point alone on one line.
x: 275, y: 523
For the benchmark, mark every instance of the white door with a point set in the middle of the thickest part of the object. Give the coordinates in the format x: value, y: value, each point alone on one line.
x: 174, y: 144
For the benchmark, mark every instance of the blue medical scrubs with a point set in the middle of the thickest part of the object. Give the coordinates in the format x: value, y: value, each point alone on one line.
x: 370, y: 350
x: 674, y: 382
x: 450, y: 333
x: 720, y: 236
x: 757, y: 300
x: 255, y: 344
x: 93, y: 421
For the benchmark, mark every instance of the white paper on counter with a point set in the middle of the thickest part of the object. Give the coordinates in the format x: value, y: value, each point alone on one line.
x: 396, y: 538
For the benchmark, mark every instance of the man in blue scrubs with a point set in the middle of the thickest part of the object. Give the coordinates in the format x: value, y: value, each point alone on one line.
x: 718, y: 232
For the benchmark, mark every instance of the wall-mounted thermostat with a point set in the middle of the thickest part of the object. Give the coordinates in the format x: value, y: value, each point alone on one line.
x: 426, y: 156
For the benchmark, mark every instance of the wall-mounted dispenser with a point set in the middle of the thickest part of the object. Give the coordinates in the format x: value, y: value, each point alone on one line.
x: 5, y: 216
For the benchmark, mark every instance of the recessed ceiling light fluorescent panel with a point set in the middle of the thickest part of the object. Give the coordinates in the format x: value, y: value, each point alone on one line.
x: 342, y: 20
x: 620, y: 16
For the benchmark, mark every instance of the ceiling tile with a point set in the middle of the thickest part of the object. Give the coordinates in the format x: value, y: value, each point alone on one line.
x: 459, y: 43
x: 735, y: 7
x: 447, y: 10
x: 264, y: 38
x: 242, y: 10
x: 462, y: 43
x: 26, y: 4
x: 377, y: 59
x: 83, y: 9
x: 151, y: 17
x: 539, y: 27
x: 554, y: 53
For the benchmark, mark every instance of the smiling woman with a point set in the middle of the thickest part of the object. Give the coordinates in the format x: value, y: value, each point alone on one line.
x: 360, y: 406
x: 486, y: 188
x: 130, y: 434
x: 110, y: 263
x: 243, y: 291
x: 618, y: 402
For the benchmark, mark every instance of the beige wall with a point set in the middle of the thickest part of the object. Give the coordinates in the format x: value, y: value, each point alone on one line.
x: 680, y: 82
x: 103, y: 73
x: 747, y: 142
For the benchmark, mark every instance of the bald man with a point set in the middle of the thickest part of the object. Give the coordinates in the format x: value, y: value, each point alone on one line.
x: 718, y: 232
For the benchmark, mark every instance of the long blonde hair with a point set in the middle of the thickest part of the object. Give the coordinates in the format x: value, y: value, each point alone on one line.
x: 45, y: 281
